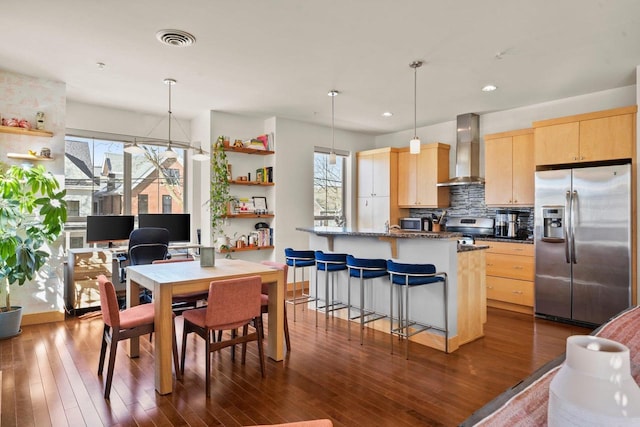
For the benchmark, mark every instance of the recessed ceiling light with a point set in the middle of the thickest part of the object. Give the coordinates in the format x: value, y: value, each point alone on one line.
x: 387, y: 114
x: 489, y: 88
x: 101, y: 65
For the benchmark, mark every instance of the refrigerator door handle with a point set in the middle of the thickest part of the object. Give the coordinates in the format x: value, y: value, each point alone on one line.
x: 566, y: 228
x: 574, y: 209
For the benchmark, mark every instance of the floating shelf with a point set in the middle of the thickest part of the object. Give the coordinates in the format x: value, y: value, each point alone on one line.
x: 246, y: 248
x: 266, y: 184
x: 28, y: 157
x: 249, y: 216
x: 249, y: 151
x: 22, y: 131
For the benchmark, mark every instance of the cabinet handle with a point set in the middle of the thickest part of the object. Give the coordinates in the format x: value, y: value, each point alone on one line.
x: 517, y: 267
x: 515, y: 201
x: 517, y: 292
x: 489, y: 265
x: 489, y: 287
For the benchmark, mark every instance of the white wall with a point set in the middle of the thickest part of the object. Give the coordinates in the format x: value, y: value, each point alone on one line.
x: 22, y: 97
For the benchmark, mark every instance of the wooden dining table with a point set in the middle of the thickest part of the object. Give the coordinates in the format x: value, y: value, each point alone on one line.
x: 166, y: 280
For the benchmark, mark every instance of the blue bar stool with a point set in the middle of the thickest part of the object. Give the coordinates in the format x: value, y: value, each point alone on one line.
x: 330, y: 263
x: 406, y: 276
x: 364, y: 269
x: 299, y: 259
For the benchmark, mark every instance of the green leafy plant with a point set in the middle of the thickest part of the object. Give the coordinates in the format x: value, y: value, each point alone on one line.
x: 32, y: 213
x: 219, y: 196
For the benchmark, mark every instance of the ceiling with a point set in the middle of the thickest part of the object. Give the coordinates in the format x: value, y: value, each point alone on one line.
x: 281, y: 57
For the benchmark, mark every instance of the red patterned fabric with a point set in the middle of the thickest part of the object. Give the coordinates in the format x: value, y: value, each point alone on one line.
x: 529, y: 407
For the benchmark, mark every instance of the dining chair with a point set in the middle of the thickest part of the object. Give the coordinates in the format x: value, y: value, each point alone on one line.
x: 122, y: 325
x: 181, y: 302
x: 264, y: 298
x: 231, y: 303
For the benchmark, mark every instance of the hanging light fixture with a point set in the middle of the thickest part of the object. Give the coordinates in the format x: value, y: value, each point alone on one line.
x: 134, y: 148
x: 169, y: 153
x: 332, y: 154
x: 200, y: 156
x: 414, y: 144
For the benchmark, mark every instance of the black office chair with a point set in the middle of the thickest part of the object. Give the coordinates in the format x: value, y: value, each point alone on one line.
x: 146, y: 245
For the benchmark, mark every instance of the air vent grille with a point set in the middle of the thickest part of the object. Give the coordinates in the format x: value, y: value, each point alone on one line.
x: 175, y: 38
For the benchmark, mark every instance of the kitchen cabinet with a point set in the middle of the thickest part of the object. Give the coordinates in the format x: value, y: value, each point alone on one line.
x: 597, y: 136
x: 509, y: 168
x: 377, y: 188
x: 418, y: 175
x: 510, y: 276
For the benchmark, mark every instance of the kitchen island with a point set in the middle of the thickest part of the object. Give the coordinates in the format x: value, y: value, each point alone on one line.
x: 464, y: 265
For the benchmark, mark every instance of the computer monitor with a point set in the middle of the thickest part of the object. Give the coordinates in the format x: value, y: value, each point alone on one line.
x: 109, y: 228
x: 178, y: 224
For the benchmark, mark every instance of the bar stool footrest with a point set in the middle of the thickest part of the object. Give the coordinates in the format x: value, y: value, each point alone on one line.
x: 301, y: 300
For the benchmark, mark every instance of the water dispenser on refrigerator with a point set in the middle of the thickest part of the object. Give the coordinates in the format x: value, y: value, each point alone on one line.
x: 553, y: 224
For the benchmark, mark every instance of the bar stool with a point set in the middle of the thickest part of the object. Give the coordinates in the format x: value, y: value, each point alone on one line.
x: 300, y: 259
x: 406, y: 276
x: 364, y: 269
x: 330, y: 263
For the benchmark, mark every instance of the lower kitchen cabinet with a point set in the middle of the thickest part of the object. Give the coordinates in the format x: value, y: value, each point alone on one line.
x: 510, y: 276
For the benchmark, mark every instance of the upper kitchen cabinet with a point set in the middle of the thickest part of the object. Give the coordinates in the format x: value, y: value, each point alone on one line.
x: 418, y: 175
x: 597, y: 136
x: 509, y: 168
x: 377, y: 188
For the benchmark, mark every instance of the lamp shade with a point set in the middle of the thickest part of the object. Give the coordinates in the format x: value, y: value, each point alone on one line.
x: 200, y: 156
x: 169, y: 154
x: 414, y: 145
x: 134, y: 149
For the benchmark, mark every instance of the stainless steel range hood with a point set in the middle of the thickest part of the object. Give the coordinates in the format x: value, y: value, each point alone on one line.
x: 467, y: 152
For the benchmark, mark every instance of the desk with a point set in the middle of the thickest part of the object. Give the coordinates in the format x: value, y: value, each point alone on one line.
x: 165, y: 280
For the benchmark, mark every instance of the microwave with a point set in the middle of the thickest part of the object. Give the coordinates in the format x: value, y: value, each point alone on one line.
x: 411, y: 224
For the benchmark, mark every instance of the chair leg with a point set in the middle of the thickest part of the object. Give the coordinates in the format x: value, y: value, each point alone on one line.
x: 245, y: 331
x: 112, y: 360
x: 174, y: 348
x: 185, y: 331
x: 286, y: 329
x: 207, y: 365
x: 261, y: 349
x: 103, y: 348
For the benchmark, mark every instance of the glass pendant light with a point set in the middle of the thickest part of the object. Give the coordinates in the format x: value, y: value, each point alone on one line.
x: 134, y: 148
x: 200, y: 156
x: 332, y: 154
x: 414, y: 144
x: 169, y: 153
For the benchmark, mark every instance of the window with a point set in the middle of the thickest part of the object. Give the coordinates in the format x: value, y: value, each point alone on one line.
x: 328, y: 190
x: 101, y: 179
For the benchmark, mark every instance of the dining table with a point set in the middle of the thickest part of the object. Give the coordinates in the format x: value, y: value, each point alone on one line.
x: 166, y: 280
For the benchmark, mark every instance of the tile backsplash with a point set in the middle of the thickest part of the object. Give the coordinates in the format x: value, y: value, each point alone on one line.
x: 468, y: 200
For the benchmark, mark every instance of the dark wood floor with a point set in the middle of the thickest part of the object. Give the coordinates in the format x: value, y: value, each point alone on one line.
x: 48, y: 377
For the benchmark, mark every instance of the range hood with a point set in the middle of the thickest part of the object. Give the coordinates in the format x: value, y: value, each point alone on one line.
x: 467, y: 152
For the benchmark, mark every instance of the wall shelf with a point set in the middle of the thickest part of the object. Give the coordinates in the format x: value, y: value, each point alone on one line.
x: 267, y: 184
x: 30, y: 157
x: 22, y: 131
x: 249, y: 151
x: 244, y: 249
x: 250, y: 215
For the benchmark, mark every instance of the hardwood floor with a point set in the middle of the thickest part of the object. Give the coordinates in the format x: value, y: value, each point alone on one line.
x: 48, y: 377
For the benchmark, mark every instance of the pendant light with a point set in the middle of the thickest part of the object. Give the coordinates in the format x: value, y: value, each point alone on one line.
x: 169, y: 153
x: 414, y: 144
x: 332, y: 154
x: 134, y: 148
x: 200, y: 156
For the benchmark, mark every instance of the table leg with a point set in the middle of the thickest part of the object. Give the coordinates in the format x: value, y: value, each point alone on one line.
x: 133, y: 299
x: 163, y: 339
x: 275, y: 343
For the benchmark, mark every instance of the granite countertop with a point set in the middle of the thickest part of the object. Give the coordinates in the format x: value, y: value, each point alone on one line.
x: 340, y: 231
x: 468, y: 248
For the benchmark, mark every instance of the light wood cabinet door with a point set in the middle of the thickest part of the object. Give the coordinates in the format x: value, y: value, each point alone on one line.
x: 498, y: 171
x: 557, y: 144
x: 365, y: 213
x: 418, y: 175
x: 365, y: 175
x: 407, y: 179
x: 381, y: 174
x: 523, y: 170
x: 606, y: 138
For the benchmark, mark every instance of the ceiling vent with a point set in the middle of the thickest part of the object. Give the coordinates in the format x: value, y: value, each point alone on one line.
x: 175, y: 38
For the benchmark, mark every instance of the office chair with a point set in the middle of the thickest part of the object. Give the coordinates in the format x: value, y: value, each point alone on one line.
x: 146, y: 245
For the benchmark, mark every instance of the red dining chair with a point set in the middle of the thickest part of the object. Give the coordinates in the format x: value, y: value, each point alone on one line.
x: 122, y: 325
x: 265, y: 298
x: 231, y: 304
x: 182, y: 301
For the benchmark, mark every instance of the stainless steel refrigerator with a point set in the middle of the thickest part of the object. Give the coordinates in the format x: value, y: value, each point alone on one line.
x: 583, y: 243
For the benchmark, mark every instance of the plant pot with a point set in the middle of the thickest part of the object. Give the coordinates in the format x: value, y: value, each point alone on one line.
x: 10, y: 322
x: 594, y: 386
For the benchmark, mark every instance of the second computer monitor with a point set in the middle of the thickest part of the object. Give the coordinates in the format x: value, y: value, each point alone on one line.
x: 178, y: 224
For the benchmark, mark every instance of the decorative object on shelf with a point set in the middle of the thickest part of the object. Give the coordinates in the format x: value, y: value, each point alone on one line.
x: 40, y: 120
x: 414, y: 144
x: 45, y: 152
x: 14, y: 122
x: 238, y: 143
x: 594, y: 386
x: 32, y: 213
x: 229, y: 170
x: 259, y: 205
x: 332, y: 154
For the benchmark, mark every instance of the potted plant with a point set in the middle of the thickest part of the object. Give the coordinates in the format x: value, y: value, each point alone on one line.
x: 32, y: 213
x: 219, y: 193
